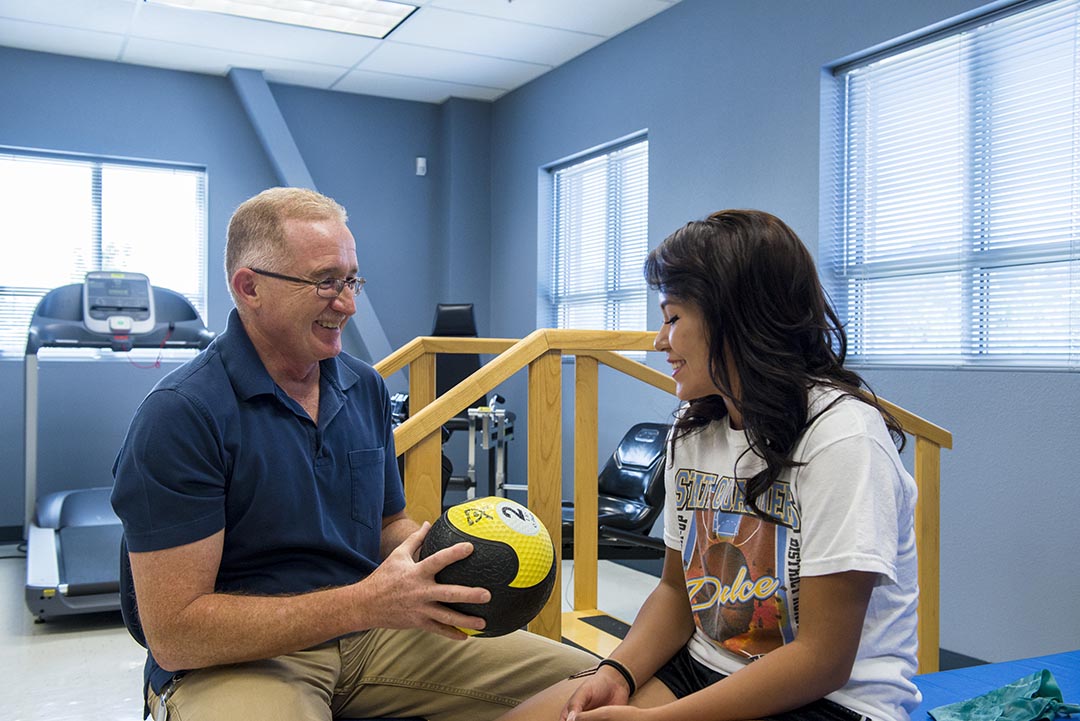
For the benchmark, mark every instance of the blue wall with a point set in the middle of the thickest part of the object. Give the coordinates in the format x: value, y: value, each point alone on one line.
x: 730, y: 95
x: 729, y: 92
x: 360, y: 150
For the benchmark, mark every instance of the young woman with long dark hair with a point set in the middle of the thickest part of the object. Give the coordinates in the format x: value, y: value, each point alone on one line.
x: 789, y: 585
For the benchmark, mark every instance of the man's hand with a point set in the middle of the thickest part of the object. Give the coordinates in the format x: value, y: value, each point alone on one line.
x: 406, y: 595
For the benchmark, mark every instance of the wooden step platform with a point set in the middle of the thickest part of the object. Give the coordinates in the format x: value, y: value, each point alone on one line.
x: 593, y: 630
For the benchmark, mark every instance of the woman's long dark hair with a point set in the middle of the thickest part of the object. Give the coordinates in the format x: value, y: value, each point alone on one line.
x: 764, y: 309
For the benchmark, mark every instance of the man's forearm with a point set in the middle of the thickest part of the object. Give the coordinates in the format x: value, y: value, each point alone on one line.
x: 217, y: 628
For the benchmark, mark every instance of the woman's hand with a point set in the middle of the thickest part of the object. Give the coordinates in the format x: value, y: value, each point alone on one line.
x: 604, y: 688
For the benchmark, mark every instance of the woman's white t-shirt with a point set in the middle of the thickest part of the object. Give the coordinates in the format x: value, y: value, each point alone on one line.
x: 849, y: 506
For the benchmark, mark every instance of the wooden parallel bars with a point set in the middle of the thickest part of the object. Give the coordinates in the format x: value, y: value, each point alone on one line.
x: 419, y: 438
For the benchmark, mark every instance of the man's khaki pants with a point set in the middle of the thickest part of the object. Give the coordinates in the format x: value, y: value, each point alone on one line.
x: 379, y: 673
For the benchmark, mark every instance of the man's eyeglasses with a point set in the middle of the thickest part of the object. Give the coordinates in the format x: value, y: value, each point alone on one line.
x: 327, y: 288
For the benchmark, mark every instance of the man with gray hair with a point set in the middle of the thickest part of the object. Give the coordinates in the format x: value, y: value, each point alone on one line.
x: 273, y: 559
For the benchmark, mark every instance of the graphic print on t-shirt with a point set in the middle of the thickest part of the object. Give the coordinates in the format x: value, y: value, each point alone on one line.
x: 742, y: 571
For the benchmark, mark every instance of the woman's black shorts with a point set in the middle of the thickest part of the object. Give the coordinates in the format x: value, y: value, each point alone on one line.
x: 683, y: 675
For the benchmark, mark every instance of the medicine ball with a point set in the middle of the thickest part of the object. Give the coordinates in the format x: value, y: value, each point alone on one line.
x: 513, y: 558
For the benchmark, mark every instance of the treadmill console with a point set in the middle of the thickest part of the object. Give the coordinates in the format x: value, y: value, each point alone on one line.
x: 117, y: 303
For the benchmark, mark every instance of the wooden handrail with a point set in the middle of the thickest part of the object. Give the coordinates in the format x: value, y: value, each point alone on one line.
x: 640, y: 371
x: 918, y: 427
x: 419, y: 439
x: 425, y: 420
x: 400, y: 358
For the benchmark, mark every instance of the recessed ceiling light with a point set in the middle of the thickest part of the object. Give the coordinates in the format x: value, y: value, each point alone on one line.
x: 370, y: 18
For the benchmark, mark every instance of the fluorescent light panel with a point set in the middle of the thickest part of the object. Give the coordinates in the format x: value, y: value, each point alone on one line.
x: 370, y: 18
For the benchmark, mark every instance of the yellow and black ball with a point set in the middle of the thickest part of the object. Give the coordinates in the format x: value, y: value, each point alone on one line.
x: 513, y: 557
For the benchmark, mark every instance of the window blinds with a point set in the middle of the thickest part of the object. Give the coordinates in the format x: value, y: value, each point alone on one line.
x: 953, y: 215
x: 61, y: 217
x: 599, y: 240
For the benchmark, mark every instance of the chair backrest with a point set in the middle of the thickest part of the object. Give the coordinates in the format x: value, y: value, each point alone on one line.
x: 455, y: 319
x: 634, y: 476
x: 129, y: 609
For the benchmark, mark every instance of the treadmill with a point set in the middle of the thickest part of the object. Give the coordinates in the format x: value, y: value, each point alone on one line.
x: 73, y: 537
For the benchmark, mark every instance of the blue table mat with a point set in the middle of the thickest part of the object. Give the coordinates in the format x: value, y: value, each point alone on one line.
x: 946, y: 687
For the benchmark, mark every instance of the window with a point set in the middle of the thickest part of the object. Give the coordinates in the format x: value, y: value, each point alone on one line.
x: 62, y: 216
x: 951, y: 224
x: 599, y: 240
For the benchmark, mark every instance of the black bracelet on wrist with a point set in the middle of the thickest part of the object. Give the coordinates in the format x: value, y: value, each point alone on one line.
x: 623, y: 671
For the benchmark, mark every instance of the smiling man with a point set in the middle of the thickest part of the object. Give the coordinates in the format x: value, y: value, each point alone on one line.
x: 274, y: 562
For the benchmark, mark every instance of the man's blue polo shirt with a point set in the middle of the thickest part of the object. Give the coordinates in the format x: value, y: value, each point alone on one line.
x: 218, y: 445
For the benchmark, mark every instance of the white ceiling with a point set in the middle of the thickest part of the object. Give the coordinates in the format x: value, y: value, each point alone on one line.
x: 475, y: 49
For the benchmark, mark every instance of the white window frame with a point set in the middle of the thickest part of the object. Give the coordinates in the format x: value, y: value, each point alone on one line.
x: 950, y: 218
x: 37, y: 224
x: 596, y: 239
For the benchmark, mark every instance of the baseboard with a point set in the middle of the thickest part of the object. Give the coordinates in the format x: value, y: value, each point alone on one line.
x: 949, y: 660
x: 11, y: 534
x: 651, y: 566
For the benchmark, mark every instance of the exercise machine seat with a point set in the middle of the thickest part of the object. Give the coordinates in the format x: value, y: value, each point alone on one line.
x: 630, y: 496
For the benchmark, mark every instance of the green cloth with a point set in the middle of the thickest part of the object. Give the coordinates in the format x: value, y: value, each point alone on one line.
x: 1031, y: 698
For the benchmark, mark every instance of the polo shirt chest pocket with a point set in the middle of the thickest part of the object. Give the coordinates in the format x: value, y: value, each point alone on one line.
x: 367, y: 475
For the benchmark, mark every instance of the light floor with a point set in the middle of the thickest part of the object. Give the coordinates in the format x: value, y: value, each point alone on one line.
x: 87, y: 668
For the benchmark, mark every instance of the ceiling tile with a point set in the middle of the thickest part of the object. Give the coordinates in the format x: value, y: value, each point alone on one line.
x: 304, y: 75
x: 477, y: 49
x: 218, y: 62
x: 230, y: 33
x: 60, y: 40
x: 103, y: 15
x: 451, y: 66
x: 464, y: 32
x: 406, y: 88
x: 600, y: 17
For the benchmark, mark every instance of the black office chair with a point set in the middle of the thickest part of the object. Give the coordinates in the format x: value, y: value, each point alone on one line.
x: 129, y: 610
x: 457, y: 320
x: 453, y: 320
x: 630, y: 497
x: 129, y: 607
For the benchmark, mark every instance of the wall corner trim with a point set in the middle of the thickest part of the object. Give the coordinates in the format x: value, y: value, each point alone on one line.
x: 364, y: 335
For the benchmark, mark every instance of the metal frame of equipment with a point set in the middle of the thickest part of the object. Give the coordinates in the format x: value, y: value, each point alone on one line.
x: 73, y: 536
